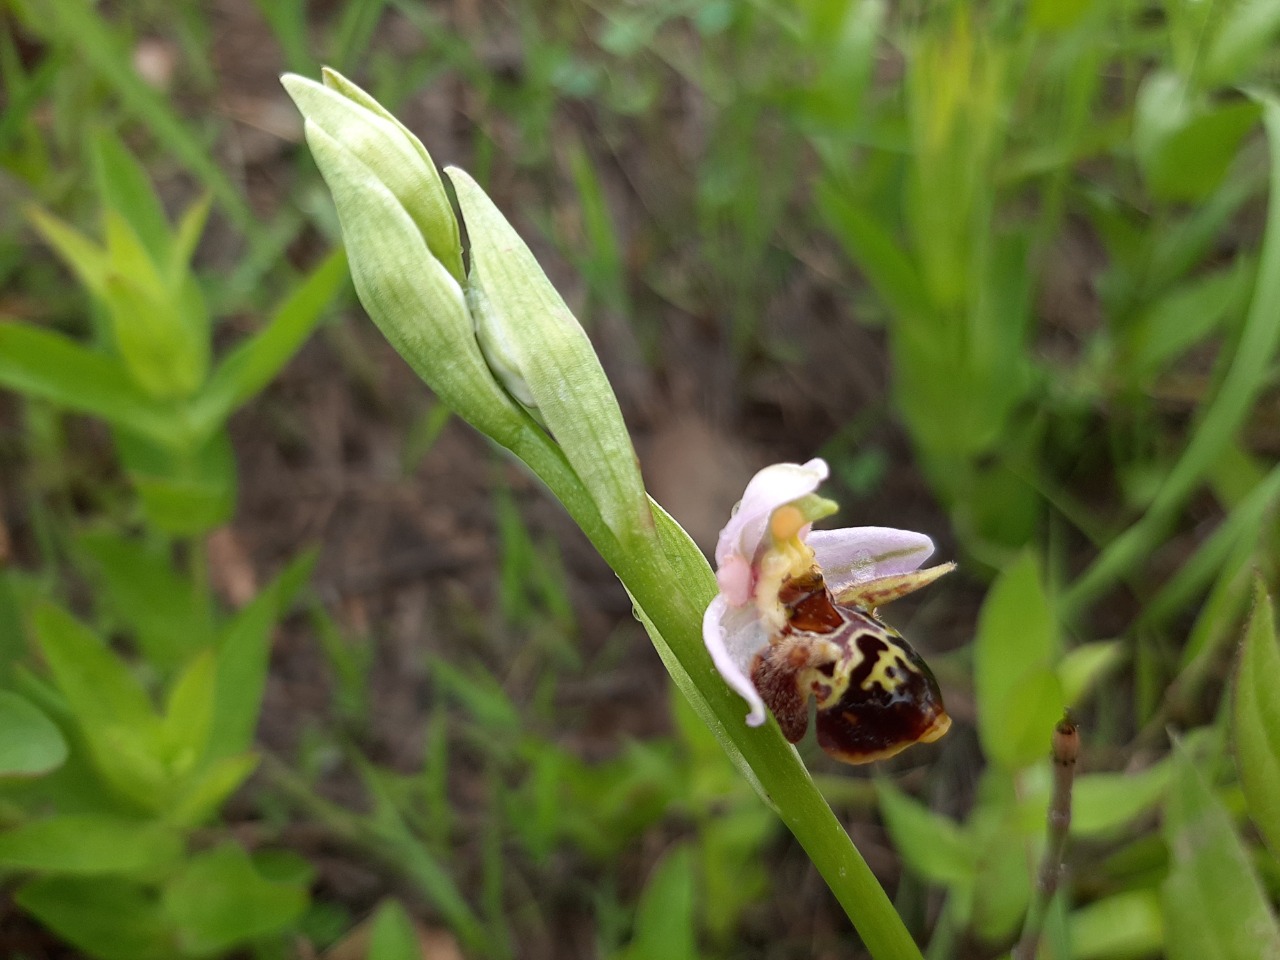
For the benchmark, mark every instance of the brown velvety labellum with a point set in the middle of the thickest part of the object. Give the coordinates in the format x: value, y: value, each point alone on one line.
x: 877, y: 718
x: 779, y: 688
x: 876, y: 696
x: 809, y: 604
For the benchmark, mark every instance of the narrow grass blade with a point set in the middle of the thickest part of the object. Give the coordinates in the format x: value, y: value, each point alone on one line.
x: 1256, y: 720
x: 77, y: 23
x: 1247, y: 374
x: 1243, y: 523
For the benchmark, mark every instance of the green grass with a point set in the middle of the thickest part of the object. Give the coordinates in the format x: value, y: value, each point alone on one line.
x: 1059, y: 223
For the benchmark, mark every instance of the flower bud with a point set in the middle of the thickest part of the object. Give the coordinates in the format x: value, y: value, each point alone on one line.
x: 498, y: 344
x: 401, y: 238
x: 536, y: 346
x: 397, y: 158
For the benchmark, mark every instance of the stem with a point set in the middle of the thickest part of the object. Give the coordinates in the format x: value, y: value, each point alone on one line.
x: 669, y: 579
x: 1066, y: 749
x: 785, y: 784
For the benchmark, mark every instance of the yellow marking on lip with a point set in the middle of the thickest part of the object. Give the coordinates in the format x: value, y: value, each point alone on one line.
x: 845, y: 660
x: 941, y: 724
x: 887, y: 660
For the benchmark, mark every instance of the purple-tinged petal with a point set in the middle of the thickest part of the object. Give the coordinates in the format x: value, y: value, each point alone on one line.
x: 733, y: 637
x: 769, y: 489
x: 857, y: 554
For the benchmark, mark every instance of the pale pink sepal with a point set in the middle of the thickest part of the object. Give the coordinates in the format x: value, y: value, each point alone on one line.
x: 858, y: 554
x: 734, y: 635
x: 769, y: 489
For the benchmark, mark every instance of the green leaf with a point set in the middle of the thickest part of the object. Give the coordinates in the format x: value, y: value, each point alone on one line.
x: 1003, y: 881
x: 1126, y: 925
x: 141, y: 587
x: 1019, y: 695
x: 87, y: 260
x: 13, y: 642
x: 201, y: 795
x: 253, y: 363
x: 89, y: 844
x: 188, y: 715
x: 1214, y: 907
x: 107, y: 918
x: 244, y: 653
x: 1082, y: 667
x: 219, y: 901
x: 930, y: 844
x: 1105, y: 802
x: 97, y: 685
x: 419, y: 863
x: 129, y: 762
x: 126, y: 189
x: 1183, y: 147
x: 392, y: 936
x: 185, y: 240
x: 1184, y: 316
x: 30, y: 743
x: 52, y: 367
x: 128, y: 257
x: 288, y: 22
x: 109, y: 706
x: 284, y: 866
x: 183, y: 494
x: 665, y: 927
x: 1220, y: 556
x: 151, y: 340
x: 159, y: 330
x: 479, y: 693
x: 1054, y: 15
x: 1246, y: 33
x: 1256, y: 719
x: 876, y: 251
x: 733, y: 870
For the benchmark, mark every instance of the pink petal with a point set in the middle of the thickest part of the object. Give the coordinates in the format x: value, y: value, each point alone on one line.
x: 769, y: 489
x: 857, y: 554
x: 733, y: 637
x: 734, y: 577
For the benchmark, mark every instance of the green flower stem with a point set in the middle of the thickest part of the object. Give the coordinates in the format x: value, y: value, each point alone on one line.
x: 672, y: 584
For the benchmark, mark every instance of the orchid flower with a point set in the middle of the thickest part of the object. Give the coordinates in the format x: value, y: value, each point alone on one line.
x: 492, y: 337
x: 796, y: 616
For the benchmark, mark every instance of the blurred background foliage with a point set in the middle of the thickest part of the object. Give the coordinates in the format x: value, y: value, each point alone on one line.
x: 327, y: 677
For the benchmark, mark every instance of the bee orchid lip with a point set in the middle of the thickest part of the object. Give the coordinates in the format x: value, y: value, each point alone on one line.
x: 795, y: 618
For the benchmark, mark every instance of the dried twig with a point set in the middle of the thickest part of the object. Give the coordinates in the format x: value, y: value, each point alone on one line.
x: 1066, y: 749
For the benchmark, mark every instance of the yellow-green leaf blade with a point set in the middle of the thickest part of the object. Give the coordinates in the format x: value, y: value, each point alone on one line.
x: 1214, y: 907
x: 1256, y: 719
